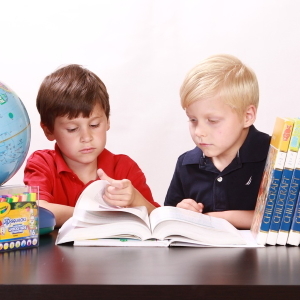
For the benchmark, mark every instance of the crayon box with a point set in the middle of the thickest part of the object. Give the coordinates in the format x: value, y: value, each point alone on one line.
x: 19, y: 219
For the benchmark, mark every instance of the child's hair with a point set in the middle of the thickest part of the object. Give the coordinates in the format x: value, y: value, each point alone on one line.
x: 222, y: 75
x: 70, y: 91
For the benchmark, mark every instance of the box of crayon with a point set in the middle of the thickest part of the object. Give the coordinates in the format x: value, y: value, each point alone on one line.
x: 19, y: 219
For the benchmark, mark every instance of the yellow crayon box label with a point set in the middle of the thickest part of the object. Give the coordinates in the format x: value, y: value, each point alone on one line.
x: 18, y: 220
x: 19, y: 223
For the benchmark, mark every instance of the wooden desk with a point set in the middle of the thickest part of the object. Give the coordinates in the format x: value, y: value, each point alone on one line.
x: 67, y: 272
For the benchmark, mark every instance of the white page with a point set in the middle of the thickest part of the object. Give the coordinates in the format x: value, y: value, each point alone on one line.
x: 91, y: 199
x: 125, y: 229
x: 246, y: 234
x: 65, y: 232
x: 122, y: 242
x: 174, y: 213
x: 167, y: 220
x: 105, y: 217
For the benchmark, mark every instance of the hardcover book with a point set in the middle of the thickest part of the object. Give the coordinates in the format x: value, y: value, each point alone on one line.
x: 294, y: 233
x: 271, y: 179
x: 289, y: 167
x: 293, y: 192
x: 290, y: 205
x: 95, y: 223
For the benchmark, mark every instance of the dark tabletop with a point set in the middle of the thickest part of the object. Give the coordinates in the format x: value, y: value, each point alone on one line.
x: 67, y: 272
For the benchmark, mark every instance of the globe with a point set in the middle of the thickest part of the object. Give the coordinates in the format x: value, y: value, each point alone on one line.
x: 15, y: 133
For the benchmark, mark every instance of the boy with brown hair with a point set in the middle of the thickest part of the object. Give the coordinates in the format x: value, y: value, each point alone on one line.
x: 222, y: 175
x: 74, y: 109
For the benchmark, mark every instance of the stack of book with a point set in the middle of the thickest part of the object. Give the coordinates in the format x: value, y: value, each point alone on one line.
x: 277, y: 213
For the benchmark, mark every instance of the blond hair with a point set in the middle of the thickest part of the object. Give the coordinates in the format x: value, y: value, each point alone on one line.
x: 224, y: 75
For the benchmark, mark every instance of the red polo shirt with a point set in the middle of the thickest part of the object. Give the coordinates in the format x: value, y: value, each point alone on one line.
x: 59, y: 184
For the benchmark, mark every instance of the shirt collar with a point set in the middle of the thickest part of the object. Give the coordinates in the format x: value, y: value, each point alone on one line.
x: 249, y: 152
x: 60, y: 162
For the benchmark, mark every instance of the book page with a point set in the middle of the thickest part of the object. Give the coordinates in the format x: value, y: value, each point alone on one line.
x: 69, y: 233
x: 104, y: 217
x: 91, y: 199
x: 122, y: 242
x: 246, y: 234
x: 64, y: 235
x: 174, y: 213
x: 172, y: 221
x: 108, y: 218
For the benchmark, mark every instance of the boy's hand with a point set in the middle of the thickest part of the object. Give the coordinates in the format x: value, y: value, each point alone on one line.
x: 191, y: 204
x: 119, y: 192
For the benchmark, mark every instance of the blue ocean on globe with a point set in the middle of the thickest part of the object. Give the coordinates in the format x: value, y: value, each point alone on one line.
x: 15, y: 133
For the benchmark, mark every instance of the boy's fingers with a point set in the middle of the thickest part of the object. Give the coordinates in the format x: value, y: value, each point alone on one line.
x: 117, y: 198
x: 187, y: 206
x: 119, y: 184
x: 201, y: 206
x: 102, y: 175
x: 124, y: 183
x: 190, y: 204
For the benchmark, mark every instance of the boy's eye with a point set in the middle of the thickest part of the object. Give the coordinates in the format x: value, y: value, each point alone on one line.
x: 95, y: 125
x: 71, y: 129
x: 212, y: 121
x: 192, y: 120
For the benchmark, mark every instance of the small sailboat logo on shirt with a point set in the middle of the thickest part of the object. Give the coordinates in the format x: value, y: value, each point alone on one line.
x: 249, y: 181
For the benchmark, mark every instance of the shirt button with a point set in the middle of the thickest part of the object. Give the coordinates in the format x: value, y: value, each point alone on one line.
x: 220, y: 179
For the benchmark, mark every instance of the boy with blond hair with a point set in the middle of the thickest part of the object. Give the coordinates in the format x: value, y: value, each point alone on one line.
x: 74, y: 109
x: 221, y: 176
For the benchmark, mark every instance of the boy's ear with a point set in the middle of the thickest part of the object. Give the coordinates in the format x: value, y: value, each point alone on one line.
x: 49, y: 135
x: 250, y: 116
x: 108, y: 124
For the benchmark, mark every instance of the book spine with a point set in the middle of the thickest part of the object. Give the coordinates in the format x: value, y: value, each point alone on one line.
x: 262, y: 235
x: 292, y: 195
x: 294, y: 234
x: 267, y: 194
x: 289, y: 209
x: 281, y: 198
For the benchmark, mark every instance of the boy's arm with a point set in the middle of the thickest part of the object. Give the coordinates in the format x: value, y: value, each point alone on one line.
x: 240, y: 219
x: 61, y: 212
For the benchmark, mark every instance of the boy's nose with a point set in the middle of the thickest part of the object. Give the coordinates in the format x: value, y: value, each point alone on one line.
x: 86, y: 136
x: 200, y: 131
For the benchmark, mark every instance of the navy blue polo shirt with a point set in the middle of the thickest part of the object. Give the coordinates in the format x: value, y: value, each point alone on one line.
x: 235, y: 188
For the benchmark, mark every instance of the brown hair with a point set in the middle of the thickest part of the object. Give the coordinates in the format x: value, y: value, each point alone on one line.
x: 70, y: 91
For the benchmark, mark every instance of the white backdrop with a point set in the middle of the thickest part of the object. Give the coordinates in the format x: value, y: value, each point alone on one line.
x: 142, y: 50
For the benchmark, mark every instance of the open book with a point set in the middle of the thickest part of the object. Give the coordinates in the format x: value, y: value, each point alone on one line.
x: 95, y: 223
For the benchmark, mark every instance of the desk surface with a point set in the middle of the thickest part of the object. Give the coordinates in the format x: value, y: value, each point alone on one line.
x: 67, y: 272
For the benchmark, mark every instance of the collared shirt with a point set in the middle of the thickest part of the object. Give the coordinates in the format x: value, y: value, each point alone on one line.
x: 59, y: 184
x: 234, y: 188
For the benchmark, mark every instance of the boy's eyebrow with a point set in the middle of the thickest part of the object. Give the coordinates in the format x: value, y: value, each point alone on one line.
x: 66, y: 121
x: 98, y: 116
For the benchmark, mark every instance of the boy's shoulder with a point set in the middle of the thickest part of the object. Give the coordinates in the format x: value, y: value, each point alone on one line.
x: 258, y: 136
x: 256, y: 146
x: 44, y: 154
x: 48, y: 158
